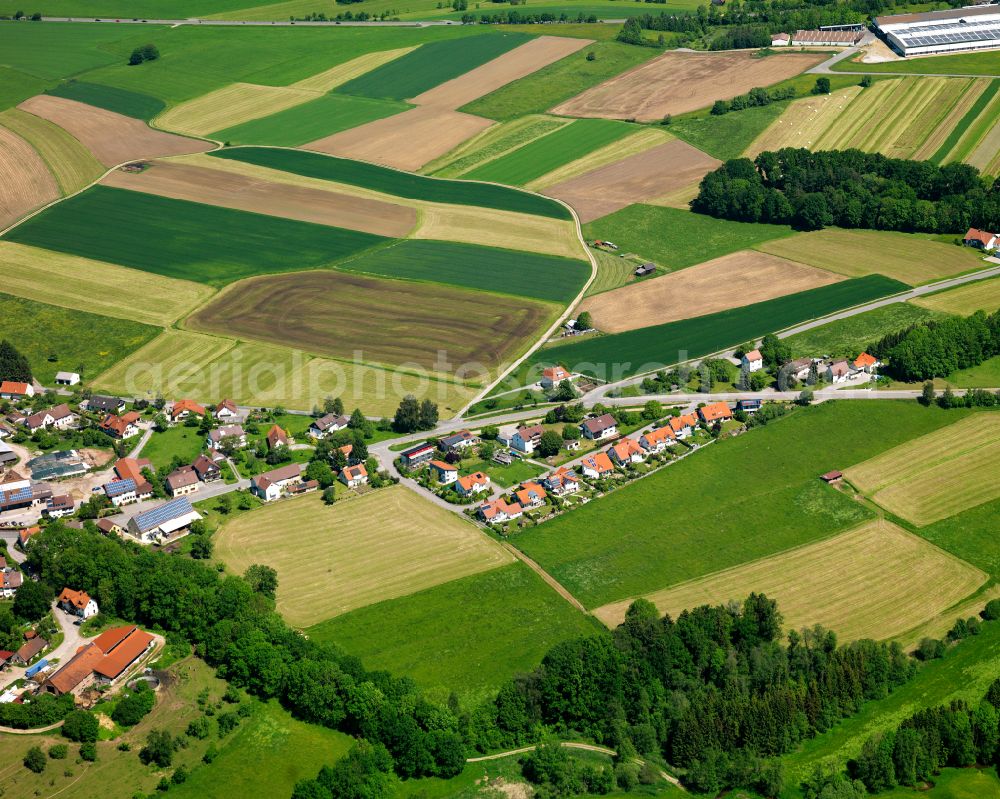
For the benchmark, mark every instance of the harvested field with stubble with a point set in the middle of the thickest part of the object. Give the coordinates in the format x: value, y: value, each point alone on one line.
x: 82, y: 284
x: 386, y: 544
x: 25, y: 180
x: 676, y: 83
x: 983, y: 295
x: 643, y: 176
x: 229, y: 190
x: 405, y: 141
x: 936, y: 475
x: 876, y: 581
x: 112, y: 138
x: 230, y: 106
x: 70, y: 162
x: 804, y: 121
x: 388, y: 321
x: 741, y: 278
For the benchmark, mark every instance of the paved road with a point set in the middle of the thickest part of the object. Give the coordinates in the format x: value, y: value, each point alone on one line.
x: 70, y: 643
x: 268, y: 23
x: 826, y: 67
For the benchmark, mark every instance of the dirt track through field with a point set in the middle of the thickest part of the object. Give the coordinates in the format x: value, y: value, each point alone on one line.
x: 404, y: 141
x: 25, y: 180
x: 504, y: 69
x: 644, y: 176
x: 676, y: 83
x: 112, y: 138
x: 741, y: 278
x: 216, y: 187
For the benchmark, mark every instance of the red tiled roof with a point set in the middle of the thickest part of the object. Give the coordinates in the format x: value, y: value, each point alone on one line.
x: 864, y: 360
x: 474, y: 479
x: 12, y: 387
x: 982, y: 236
x: 444, y: 467
x: 79, y: 668
x: 124, y: 653
x: 715, y: 411
x: 78, y: 599
x: 186, y: 405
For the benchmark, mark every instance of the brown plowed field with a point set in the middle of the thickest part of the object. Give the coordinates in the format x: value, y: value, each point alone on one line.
x: 215, y: 187
x: 517, y: 63
x: 388, y: 321
x: 676, y: 83
x: 111, y: 137
x: 644, y: 176
x: 741, y: 278
x: 25, y: 181
x: 404, y: 141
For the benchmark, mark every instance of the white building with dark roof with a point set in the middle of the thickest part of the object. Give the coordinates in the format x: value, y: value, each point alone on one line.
x: 948, y: 31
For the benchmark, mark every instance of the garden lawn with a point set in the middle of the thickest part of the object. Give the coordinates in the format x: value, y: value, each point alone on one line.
x: 181, y: 239
x: 121, y: 101
x: 58, y: 339
x: 504, y: 476
x: 541, y: 156
x: 180, y: 441
x: 754, y: 496
x: 431, y: 65
x: 543, y: 277
x: 392, y: 181
x: 674, y: 238
x: 852, y: 336
x: 468, y: 636
x: 324, y: 116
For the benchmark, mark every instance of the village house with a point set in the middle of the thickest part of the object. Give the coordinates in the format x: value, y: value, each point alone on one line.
x: 531, y: 495
x: 164, y: 521
x: 103, y: 661
x: 13, y: 390
x: 748, y: 406
x: 276, y: 437
x: 838, y: 372
x: 752, y: 361
x: 715, y: 412
x: 57, y: 507
x: 682, y: 426
x: 208, y: 471
x: 354, y: 476
x: 25, y: 535
x: 29, y: 650
x: 121, y: 427
x: 554, y: 376
x: 234, y: 433
x: 866, y: 363
x: 109, y: 527
x: 657, y: 440
x: 77, y: 603
x: 799, y: 368
x: 603, y: 426
x: 60, y: 417
x: 10, y: 580
x: 184, y: 408
x: 780, y: 40
x: 498, y: 511
x: 457, y: 442
x: 597, y: 466
x: 130, y: 485
x: 5, y: 656
x: 98, y: 403
x: 182, y: 481
x: 981, y: 239
x: 226, y: 410
x: 443, y: 472
x: 474, y: 483
x: 525, y: 439
x: 67, y: 378
x: 626, y: 451
x: 331, y: 423
x: 561, y: 482
x: 17, y: 492
x: 271, y: 485
x: 417, y: 456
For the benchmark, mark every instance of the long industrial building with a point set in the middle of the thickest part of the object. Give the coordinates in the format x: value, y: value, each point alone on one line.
x: 950, y: 31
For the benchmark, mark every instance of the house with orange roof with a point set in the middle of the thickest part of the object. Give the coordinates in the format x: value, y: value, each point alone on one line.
x: 474, y: 483
x: 354, y: 476
x: 182, y: 409
x: 657, y: 440
x: 597, y: 466
x: 752, y: 361
x: 531, y: 495
x: 982, y: 239
x: 554, y: 376
x: 24, y: 535
x: 445, y: 473
x: 498, y: 511
x: 625, y: 451
x: 277, y: 437
x: 866, y: 363
x: 715, y: 412
x: 103, y: 661
x: 682, y: 425
x: 121, y: 427
x: 561, y: 482
x: 13, y: 390
x: 78, y: 603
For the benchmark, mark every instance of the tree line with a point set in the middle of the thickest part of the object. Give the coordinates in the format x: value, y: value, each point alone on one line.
x: 850, y: 189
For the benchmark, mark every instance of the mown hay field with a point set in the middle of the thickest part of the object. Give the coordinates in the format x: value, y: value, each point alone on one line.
x: 908, y: 258
x: 937, y: 475
x: 230, y: 106
x: 876, y: 581
x: 70, y: 162
x: 82, y: 284
x: 185, y: 240
x: 971, y: 137
x: 613, y: 272
x: 982, y: 295
x: 361, y: 550
x: 392, y: 322
x: 25, y: 181
x: 482, y: 629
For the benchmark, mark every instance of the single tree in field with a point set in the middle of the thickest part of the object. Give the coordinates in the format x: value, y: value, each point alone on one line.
x: 584, y: 321
x: 428, y: 415
x: 34, y: 760
x: 822, y: 86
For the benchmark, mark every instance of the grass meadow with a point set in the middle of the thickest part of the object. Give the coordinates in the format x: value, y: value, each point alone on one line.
x: 402, y: 184
x: 541, y: 277
x: 541, y: 156
x: 493, y: 143
x: 852, y: 336
x: 676, y: 239
x: 180, y: 441
x: 324, y: 116
x: 983, y: 295
x: 341, y: 561
x: 726, y: 136
x: 970, y: 535
x: 469, y: 635
x: 57, y: 339
x: 987, y: 63
x: 121, y: 101
x: 757, y: 495
x: 962, y: 130
x: 181, y: 239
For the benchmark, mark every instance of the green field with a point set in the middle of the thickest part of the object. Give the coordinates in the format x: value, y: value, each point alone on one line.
x: 121, y: 101
x: 850, y: 337
x: 58, y: 339
x: 970, y: 535
x: 676, y: 239
x: 726, y: 136
x: 523, y: 274
x: 402, y: 184
x: 431, y: 65
x: 492, y: 143
x: 468, y: 635
x: 738, y: 500
x: 321, y: 117
x: 180, y: 441
x: 176, y: 238
x: 566, y: 78
x: 648, y: 348
x: 962, y: 64
x: 541, y: 156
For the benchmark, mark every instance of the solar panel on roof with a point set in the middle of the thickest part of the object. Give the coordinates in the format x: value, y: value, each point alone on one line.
x: 164, y: 513
x: 118, y: 487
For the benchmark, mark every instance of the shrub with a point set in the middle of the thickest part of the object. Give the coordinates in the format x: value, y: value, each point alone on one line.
x: 58, y: 751
x: 134, y: 707
x: 34, y: 760
x: 88, y: 751
x: 81, y: 727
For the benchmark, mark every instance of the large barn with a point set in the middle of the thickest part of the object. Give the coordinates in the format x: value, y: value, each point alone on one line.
x: 949, y: 31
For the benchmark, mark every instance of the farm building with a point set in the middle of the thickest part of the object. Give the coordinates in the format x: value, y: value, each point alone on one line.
x: 103, y: 661
x: 827, y: 38
x: 53, y: 465
x: 14, y: 391
x: 982, y: 239
x: 67, y: 378
x: 164, y: 521
x: 948, y: 31
x: 780, y: 40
